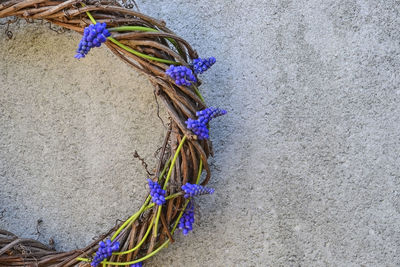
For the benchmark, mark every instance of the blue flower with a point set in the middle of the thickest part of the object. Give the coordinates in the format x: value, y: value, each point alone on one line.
x: 195, y: 190
x: 187, y: 219
x: 156, y: 192
x: 181, y: 74
x: 139, y: 264
x: 93, y: 36
x: 199, y: 126
x: 200, y: 65
x: 104, y: 251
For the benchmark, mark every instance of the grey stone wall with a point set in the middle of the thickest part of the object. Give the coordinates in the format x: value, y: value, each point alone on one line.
x: 306, y: 166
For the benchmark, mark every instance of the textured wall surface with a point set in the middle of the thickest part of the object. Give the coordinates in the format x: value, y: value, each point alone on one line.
x: 306, y: 166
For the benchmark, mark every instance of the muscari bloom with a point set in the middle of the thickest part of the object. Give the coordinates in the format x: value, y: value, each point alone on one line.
x: 200, y: 65
x: 156, y: 192
x: 192, y: 190
x: 187, y: 219
x: 105, y: 251
x: 181, y: 74
x: 93, y: 36
x: 139, y: 264
x: 199, y: 126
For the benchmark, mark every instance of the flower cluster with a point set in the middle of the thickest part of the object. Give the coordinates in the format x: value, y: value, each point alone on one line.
x: 200, y: 65
x: 199, y: 126
x: 156, y: 192
x: 105, y: 250
x: 181, y: 74
x: 93, y: 36
x: 192, y: 190
x: 187, y: 219
x: 139, y: 264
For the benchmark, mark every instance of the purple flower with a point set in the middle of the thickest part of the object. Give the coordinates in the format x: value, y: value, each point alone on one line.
x: 104, y: 251
x: 156, y: 192
x: 139, y: 264
x: 93, y: 36
x: 199, y: 126
x: 195, y: 190
x: 181, y: 74
x: 200, y: 65
x: 187, y: 219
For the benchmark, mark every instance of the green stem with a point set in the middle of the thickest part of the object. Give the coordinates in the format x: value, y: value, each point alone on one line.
x: 83, y: 259
x: 131, y: 219
x: 173, y: 161
x: 141, y: 259
x: 164, y: 169
x: 127, y: 48
x: 152, y: 253
x: 148, y: 255
x: 137, y: 53
x: 144, y: 207
x: 131, y: 28
x: 180, y: 216
x: 187, y: 201
x: 199, y: 173
x: 196, y: 90
x: 167, y: 198
x: 174, y: 195
x: 167, y: 179
x: 145, y: 29
x: 157, y: 219
x: 148, y: 231
x: 89, y: 15
x: 141, y: 241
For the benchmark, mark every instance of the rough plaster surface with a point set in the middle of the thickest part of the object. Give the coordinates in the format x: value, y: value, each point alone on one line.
x: 69, y: 129
x: 307, y: 161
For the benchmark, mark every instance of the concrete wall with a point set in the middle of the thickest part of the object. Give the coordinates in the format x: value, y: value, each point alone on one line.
x: 307, y: 160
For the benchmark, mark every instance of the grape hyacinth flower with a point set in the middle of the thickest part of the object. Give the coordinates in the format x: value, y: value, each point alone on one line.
x: 199, y: 126
x: 200, y: 65
x: 93, y: 36
x: 105, y: 251
x: 187, y: 219
x: 139, y: 264
x: 195, y: 190
x: 181, y: 74
x: 156, y: 192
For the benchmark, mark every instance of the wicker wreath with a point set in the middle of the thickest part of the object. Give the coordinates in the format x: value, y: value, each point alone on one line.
x: 171, y: 65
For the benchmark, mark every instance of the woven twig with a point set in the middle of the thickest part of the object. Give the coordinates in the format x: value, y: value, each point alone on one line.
x: 181, y: 102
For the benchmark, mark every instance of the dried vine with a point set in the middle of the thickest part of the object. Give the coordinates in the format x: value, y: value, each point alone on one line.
x: 148, y: 46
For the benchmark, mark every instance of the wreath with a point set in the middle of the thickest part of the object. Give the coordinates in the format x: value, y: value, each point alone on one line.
x: 172, y: 66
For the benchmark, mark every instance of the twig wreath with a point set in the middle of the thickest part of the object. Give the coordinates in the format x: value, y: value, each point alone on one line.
x: 172, y: 67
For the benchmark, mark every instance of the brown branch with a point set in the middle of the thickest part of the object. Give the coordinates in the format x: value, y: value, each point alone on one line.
x: 16, y: 7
